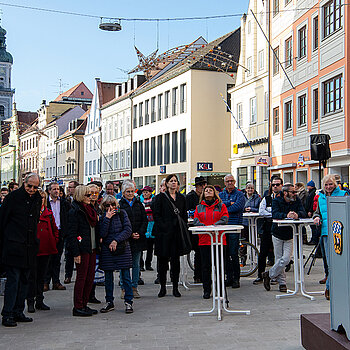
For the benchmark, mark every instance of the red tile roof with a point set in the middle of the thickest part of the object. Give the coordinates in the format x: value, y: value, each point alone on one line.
x: 78, y: 91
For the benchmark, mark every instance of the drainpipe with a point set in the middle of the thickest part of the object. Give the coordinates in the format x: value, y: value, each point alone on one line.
x: 78, y: 157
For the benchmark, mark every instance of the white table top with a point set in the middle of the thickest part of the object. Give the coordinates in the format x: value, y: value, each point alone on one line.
x: 291, y: 221
x: 247, y: 214
x: 216, y: 228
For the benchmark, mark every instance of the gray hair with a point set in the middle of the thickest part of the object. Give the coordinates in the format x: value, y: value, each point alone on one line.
x: 30, y: 175
x: 227, y: 176
x: 287, y: 186
x: 127, y: 184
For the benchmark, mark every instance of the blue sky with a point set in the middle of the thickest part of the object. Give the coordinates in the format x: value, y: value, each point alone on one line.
x: 47, y: 47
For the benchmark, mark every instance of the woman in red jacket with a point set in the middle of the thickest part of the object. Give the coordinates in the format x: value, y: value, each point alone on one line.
x: 48, y: 237
x: 210, y: 211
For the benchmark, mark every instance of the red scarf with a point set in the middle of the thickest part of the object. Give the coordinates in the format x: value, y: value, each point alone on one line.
x: 91, y: 214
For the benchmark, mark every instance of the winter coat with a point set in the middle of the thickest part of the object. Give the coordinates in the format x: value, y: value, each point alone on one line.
x: 303, y: 197
x: 138, y: 219
x: 253, y: 202
x: 47, y: 233
x: 166, y: 228
x: 206, y: 215
x: 310, y: 200
x: 64, y: 209
x: 192, y: 200
x: 19, y: 216
x: 79, y: 231
x: 117, y: 228
x: 280, y: 209
x: 235, y: 211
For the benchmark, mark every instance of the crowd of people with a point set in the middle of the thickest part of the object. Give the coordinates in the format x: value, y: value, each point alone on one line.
x: 102, y: 231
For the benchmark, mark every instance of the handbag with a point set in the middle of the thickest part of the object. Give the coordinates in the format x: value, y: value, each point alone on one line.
x: 185, y: 239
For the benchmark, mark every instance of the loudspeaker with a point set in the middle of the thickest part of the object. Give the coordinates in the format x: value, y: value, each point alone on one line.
x: 319, y: 145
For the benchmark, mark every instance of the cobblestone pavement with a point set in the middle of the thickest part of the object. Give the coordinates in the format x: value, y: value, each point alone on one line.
x: 273, y: 324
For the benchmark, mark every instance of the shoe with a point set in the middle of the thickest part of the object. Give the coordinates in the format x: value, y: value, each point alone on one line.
x: 135, y: 293
x: 46, y: 287
x: 149, y: 268
x: 310, y: 243
x: 128, y: 308
x: 94, y: 300
x: 273, y: 282
x: 258, y: 280
x: 142, y: 269
x: 228, y: 283
x: 326, y: 294
x: 323, y: 281
x: 9, y: 322
x: 176, y: 293
x: 269, y: 263
x: 283, y: 288
x: 81, y: 312
x: 235, y: 284
x: 162, y: 292
x: 58, y: 286
x: 288, y: 266
x: 156, y: 281
x: 23, y: 318
x: 206, y: 295
x: 100, y: 284
x: 67, y: 280
x: 267, y: 280
x: 141, y: 282
x: 122, y: 294
x: 107, y: 308
x: 93, y: 311
x: 30, y: 304
x: 42, y: 306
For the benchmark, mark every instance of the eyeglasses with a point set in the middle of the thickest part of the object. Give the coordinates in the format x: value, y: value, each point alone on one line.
x: 276, y: 185
x: 94, y: 193
x: 32, y: 186
x: 88, y: 195
x: 230, y: 181
x: 111, y: 205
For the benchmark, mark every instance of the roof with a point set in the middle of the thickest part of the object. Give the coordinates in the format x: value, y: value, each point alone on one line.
x: 79, y: 91
x: 80, y: 130
x: 106, y: 92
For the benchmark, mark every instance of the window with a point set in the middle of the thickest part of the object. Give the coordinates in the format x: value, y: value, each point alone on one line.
x: 182, y: 98
x: 146, y: 158
x: 302, y: 110
x: 249, y: 27
x: 122, y: 159
x: 128, y: 130
x: 2, y: 111
x: 90, y: 168
x: 242, y: 177
x: 86, y: 168
x: 228, y: 96
x: 275, y: 60
x: 140, y: 114
x: 140, y: 154
x: 183, y: 145
x: 302, y: 42
x: 315, y: 105
x: 146, y: 112
x: 252, y: 104
x: 166, y: 104
x: 174, y: 148
x: 134, y: 155
x: 153, y: 151
x: 167, y: 148
x: 289, y: 52
x: 174, y: 101
x: 276, y: 120
x: 116, y: 161
x: 266, y: 105
x: 315, y: 33
x: 121, y: 128
x: 331, y: 17
x: 160, y: 150
x: 94, y: 167
x: 261, y: 60
x: 288, y: 115
x: 249, y: 66
x: 276, y: 7
x: 128, y: 158
x: 153, y: 109
x: 332, y: 95
x: 134, y: 119
x: 240, y: 114
x: 160, y: 97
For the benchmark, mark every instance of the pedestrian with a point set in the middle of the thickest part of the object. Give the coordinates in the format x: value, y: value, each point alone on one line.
x: 48, y: 236
x: 82, y: 241
x: 4, y: 192
x: 13, y: 186
x: 19, y: 217
x: 138, y: 218
x: 169, y: 208
x: 115, y: 231
x: 311, y: 192
x: 330, y: 188
x: 70, y: 190
x: 234, y: 201
x: 210, y: 211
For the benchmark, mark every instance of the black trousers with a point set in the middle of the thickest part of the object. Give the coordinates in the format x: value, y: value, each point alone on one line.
x: 69, y: 265
x: 174, y: 269
x: 16, y: 289
x: 197, y: 257
x: 149, y: 255
x: 54, y: 267
x: 266, y: 247
x: 36, y: 279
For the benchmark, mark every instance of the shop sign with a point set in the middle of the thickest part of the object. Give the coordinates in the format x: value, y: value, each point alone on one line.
x: 124, y: 175
x: 300, y: 161
x: 204, y: 166
x: 162, y: 169
x: 262, y: 161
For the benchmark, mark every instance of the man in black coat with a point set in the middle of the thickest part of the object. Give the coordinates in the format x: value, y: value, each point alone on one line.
x: 311, y: 190
x: 19, y: 246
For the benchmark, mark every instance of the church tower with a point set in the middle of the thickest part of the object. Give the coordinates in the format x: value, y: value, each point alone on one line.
x: 6, y: 93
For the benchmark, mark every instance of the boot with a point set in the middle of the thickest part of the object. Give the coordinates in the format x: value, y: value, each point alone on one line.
x: 162, y: 291
x: 176, y: 292
x: 30, y: 303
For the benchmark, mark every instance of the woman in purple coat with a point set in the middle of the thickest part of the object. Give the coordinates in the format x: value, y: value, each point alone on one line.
x: 115, y: 230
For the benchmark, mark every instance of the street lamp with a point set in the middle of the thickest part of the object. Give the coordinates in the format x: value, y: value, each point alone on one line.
x: 112, y: 25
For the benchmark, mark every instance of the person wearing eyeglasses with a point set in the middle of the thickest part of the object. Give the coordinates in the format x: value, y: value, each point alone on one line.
x: 286, y: 205
x: 19, y: 245
x: 83, y: 242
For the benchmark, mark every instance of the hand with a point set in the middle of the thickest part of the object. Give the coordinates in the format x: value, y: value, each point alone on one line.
x: 113, y: 246
x: 232, y: 203
x: 135, y: 235
x: 309, y: 214
x: 317, y: 220
x: 110, y: 212
x: 247, y: 209
x: 77, y: 259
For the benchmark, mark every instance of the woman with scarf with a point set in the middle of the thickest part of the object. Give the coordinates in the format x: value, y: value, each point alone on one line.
x: 83, y: 243
x: 210, y: 211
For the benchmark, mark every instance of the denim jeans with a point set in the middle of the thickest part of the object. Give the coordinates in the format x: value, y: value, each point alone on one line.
x: 326, y: 251
x: 109, y: 285
x: 135, y: 273
x: 232, y: 263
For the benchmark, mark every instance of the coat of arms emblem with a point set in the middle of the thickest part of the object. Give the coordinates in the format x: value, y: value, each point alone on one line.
x: 337, y: 231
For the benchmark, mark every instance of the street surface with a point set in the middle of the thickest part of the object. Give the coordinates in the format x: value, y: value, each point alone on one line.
x: 274, y: 324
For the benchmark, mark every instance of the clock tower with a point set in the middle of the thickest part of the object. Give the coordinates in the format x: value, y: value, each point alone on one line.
x: 6, y: 93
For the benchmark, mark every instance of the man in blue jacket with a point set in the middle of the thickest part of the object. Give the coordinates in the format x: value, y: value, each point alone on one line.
x: 234, y: 201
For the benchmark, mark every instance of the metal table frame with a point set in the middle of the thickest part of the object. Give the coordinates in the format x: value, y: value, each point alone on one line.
x: 218, y: 289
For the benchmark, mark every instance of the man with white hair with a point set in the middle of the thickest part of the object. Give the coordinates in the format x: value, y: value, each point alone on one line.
x: 19, y: 217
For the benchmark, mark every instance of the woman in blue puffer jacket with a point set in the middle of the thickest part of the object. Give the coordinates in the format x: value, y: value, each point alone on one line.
x: 115, y: 229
